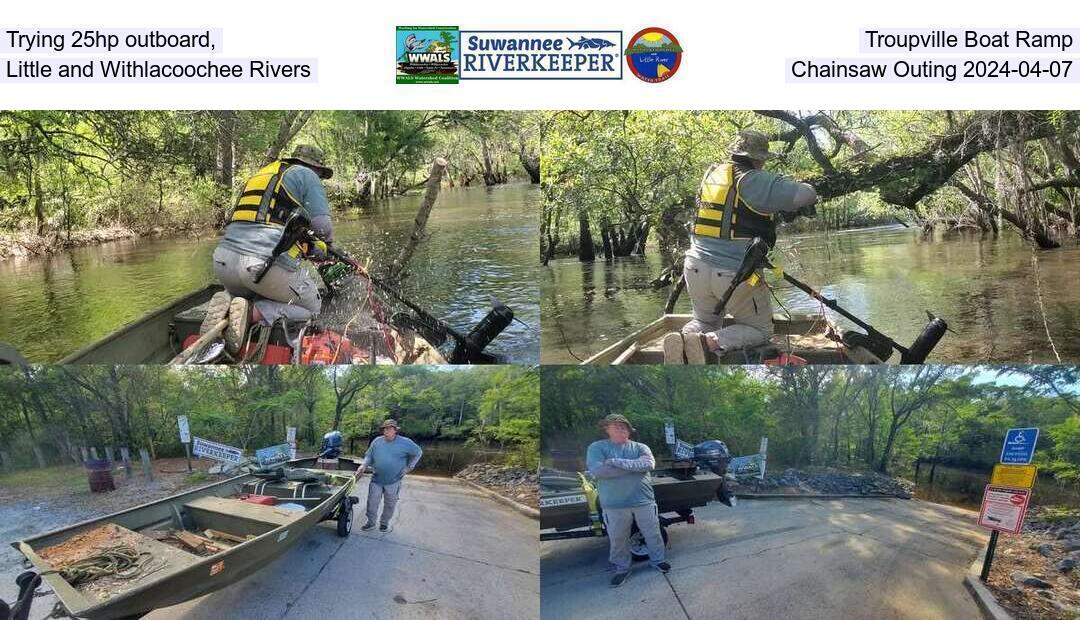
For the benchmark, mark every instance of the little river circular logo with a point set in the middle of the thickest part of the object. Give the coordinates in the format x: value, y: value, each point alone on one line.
x: 653, y: 55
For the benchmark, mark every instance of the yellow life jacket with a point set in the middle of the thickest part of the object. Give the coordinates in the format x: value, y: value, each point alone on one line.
x: 266, y: 201
x: 723, y: 214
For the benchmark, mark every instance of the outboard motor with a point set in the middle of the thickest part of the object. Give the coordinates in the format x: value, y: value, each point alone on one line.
x: 714, y: 455
x: 925, y: 343
x: 331, y: 445
x: 481, y: 336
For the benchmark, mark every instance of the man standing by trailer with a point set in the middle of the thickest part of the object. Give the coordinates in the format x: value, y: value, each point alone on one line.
x: 621, y: 468
x: 392, y: 456
x: 738, y: 201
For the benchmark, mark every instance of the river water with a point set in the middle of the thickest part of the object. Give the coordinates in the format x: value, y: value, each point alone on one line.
x: 482, y: 244
x: 984, y: 286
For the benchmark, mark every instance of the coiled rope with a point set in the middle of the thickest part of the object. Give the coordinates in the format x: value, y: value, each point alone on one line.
x: 123, y: 561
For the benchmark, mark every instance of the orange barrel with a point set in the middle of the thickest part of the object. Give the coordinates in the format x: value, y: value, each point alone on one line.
x: 99, y: 473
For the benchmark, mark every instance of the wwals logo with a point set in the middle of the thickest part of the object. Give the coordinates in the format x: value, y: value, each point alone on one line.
x: 427, y: 54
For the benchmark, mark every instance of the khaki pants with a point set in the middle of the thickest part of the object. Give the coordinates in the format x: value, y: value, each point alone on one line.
x: 388, y: 494
x: 619, y: 522
x: 750, y: 306
x: 281, y: 293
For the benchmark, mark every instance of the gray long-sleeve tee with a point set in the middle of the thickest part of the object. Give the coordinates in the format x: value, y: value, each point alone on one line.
x: 766, y: 192
x: 622, y: 473
x: 391, y: 459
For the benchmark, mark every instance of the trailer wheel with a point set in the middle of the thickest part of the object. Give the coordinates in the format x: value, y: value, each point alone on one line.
x: 638, y: 549
x: 344, y: 520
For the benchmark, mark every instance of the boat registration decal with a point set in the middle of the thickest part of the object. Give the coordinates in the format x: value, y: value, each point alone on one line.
x: 282, y: 536
x: 217, y: 567
x: 546, y: 502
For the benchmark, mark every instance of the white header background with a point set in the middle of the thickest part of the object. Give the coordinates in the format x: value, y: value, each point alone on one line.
x: 734, y: 59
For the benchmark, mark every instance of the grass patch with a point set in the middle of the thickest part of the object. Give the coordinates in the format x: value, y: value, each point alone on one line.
x: 197, y: 477
x: 1058, y: 513
x: 57, y: 477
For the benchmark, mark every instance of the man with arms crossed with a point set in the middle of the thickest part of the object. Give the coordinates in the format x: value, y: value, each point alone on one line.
x: 621, y: 468
x: 393, y: 456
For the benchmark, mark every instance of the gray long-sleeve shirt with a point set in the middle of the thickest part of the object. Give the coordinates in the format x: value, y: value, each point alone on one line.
x: 391, y: 459
x: 766, y: 192
x: 622, y: 473
x: 253, y: 239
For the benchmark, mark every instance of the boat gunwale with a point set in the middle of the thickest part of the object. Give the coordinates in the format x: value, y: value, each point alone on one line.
x: 73, y: 358
x: 87, y: 607
x: 432, y: 353
x: 618, y: 353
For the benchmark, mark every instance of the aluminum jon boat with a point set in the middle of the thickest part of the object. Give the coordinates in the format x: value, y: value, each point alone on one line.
x: 195, y: 542
x: 811, y: 337
x: 158, y: 336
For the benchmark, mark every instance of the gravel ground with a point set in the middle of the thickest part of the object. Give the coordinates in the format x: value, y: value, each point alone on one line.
x: 37, y: 501
x: 1037, y: 574
x: 826, y: 481
x: 516, y: 483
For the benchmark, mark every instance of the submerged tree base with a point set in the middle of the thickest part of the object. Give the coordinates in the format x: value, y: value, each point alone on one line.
x: 25, y: 244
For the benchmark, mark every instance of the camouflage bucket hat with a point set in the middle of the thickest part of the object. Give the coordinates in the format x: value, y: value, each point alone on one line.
x: 751, y: 144
x: 616, y: 418
x: 389, y: 423
x: 314, y: 158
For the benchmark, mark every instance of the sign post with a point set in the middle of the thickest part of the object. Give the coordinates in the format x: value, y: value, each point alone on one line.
x: 185, y: 438
x: 669, y: 432
x: 1005, y: 500
x: 290, y: 438
x: 763, y: 451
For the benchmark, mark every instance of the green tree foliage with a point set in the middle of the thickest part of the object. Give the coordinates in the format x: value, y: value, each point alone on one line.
x: 66, y: 171
x: 48, y: 412
x: 616, y: 182
x: 881, y: 418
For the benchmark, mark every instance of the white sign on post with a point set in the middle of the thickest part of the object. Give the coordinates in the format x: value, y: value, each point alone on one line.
x: 1003, y: 508
x: 217, y: 451
x: 669, y: 433
x: 185, y: 430
x: 763, y: 449
x: 290, y: 438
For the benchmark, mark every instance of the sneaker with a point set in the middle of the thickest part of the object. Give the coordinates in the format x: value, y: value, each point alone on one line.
x: 673, y: 348
x: 384, y: 528
x: 216, y: 311
x: 619, y: 578
x: 239, y: 319
x: 694, y: 346
x: 663, y: 567
x: 368, y: 526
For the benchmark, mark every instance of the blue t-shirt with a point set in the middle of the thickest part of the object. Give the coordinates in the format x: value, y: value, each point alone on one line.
x: 628, y: 489
x: 391, y: 459
x: 254, y: 239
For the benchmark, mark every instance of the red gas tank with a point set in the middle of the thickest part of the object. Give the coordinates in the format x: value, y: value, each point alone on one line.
x: 326, y: 348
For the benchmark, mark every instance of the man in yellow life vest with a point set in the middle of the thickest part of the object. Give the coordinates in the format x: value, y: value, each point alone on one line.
x: 738, y: 201
x: 286, y: 291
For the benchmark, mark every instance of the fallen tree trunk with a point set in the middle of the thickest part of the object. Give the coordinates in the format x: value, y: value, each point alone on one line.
x: 904, y: 180
x: 431, y: 192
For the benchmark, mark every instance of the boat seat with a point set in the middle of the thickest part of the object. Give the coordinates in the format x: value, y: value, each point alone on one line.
x: 237, y: 516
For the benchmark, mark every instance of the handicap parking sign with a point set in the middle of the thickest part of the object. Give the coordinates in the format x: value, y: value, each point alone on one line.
x: 1019, y: 446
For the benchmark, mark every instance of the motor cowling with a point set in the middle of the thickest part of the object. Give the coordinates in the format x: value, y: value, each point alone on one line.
x: 714, y: 455
x: 925, y: 343
x: 481, y: 336
x: 331, y: 445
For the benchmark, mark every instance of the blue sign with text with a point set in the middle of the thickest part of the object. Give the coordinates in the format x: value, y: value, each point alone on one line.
x: 1019, y: 446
